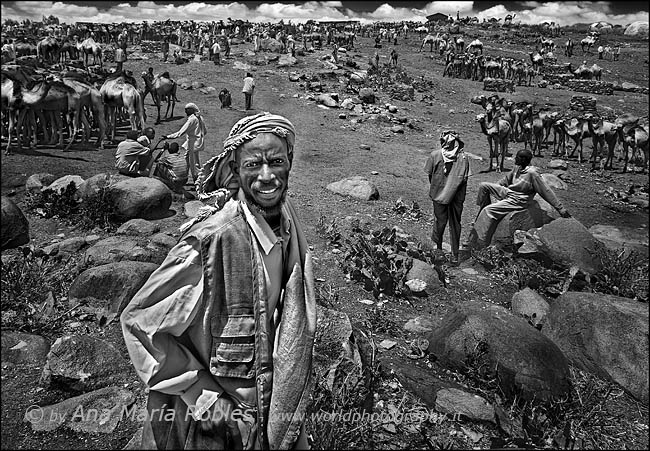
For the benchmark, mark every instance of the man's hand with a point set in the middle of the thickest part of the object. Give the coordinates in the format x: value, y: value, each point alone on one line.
x: 565, y: 213
x: 218, y: 420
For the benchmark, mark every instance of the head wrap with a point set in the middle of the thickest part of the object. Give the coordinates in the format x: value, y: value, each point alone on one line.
x: 451, y: 144
x: 216, y: 180
x: 193, y: 107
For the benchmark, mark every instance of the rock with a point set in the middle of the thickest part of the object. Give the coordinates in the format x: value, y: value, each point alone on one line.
x: 36, y: 182
x: 92, y: 186
x: 135, y: 442
x: 70, y: 245
x: 538, y: 213
x: 60, y: 184
x: 387, y: 344
x: 83, y: 363
x: 348, y: 104
x: 605, y: 335
x: 141, y: 197
x: 197, y: 85
x: 640, y: 202
x: 568, y: 243
x: 419, y: 324
x: 397, y: 129
x: 392, y: 109
x: 424, y: 272
x: 336, y: 356
x: 416, y: 286
x: 138, y: 226
x: 22, y: 348
x: 242, y: 66
x: 342, y: 116
x: 490, y: 339
x: 531, y: 305
x: 554, y: 181
x: 115, y: 249
x: 97, y: 411
x: 270, y: 44
x: 14, y: 227
x: 92, y: 239
x: 558, y: 164
x: 367, y: 95
x: 364, y: 147
x: 358, y: 187
x: 191, y: 208
x: 327, y: 100
x: 287, y: 60
x: 164, y: 240
x: 454, y: 401
x: 400, y: 91
x: 621, y: 237
x: 112, y: 285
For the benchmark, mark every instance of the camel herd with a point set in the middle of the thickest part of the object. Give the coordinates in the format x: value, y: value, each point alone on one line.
x: 40, y: 104
x: 505, y: 121
x: 52, y: 50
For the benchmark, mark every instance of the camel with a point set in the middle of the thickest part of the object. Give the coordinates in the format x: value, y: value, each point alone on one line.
x: 161, y: 87
x: 559, y: 137
x: 637, y: 139
x: 68, y: 51
x: 537, y: 60
x: 429, y: 39
x: 498, y: 133
x: 596, y: 71
x: 492, y: 67
x: 120, y: 91
x: 90, y: 47
x: 91, y: 99
x: 47, y: 50
x: 587, y: 43
x: 583, y: 71
x: 577, y: 129
x: 602, y: 132
x: 475, y: 45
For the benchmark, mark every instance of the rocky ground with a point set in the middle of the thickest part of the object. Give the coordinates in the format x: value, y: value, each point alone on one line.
x: 403, y: 342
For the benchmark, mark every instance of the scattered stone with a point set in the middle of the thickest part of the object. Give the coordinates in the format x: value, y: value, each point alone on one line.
x: 327, y: 100
x: 70, y: 245
x: 60, y: 184
x: 112, y: 285
x: 14, y: 227
x: 423, y: 271
x: 141, y: 197
x: 358, y: 187
x: 454, y: 401
x: 485, y: 336
x: 286, y: 61
x: 138, y: 226
x: 36, y: 182
x: 392, y: 109
x: 531, y: 305
x: 97, y: 411
x: 22, y: 348
x: 621, y: 237
x: 191, y: 208
x: 397, y: 129
x: 416, y: 286
x: 387, y: 344
x: 554, y: 181
x: 92, y: 239
x: 83, y: 363
x: 116, y: 248
x: 164, y: 240
x: 419, y: 324
x: 367, y: 95
x: 605, y: 335
x: 558, y: 164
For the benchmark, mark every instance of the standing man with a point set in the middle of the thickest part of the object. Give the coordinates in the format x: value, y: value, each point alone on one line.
x: 601, y: 50
x: 248, y: 89
x: 223, y: 331
x: 514, y: 192
x: 194, y: 131
x: 448, y: 170
x: 216, y: 51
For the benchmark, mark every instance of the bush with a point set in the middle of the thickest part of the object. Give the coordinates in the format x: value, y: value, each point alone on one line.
x: 33, y: 288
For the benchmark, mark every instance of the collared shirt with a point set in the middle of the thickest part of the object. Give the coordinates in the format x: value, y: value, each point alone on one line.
x: 249, y: 85
x: 127, y: 155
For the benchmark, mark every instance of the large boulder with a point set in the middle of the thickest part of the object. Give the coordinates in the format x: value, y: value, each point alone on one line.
x: 83, y: 363
x: 61, y: 184
x: 19, y: 347
x: 141, y: 197
x: 638, y: 28
x: 116, y: 248
x: 111, y: 285
x: 358, y: 187
x: 367, y: 95
x: 270, y: 44
x: 14, y: 229
x: 621, y: 237
x: 605, y: 335
x: 97, y: 411
x: 91, y: 186
x: 36, y: 182
x: 498, y: 344
x: 538, y: 213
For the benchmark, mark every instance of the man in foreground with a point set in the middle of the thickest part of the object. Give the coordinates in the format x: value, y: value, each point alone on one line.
x: 223, y: 331
x: 448, y: 170
x: 514, y: 192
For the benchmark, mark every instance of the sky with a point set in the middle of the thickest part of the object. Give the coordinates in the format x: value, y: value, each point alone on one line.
x: 527, y: 12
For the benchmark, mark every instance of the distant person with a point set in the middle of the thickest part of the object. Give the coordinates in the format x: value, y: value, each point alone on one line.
x: 131, y: 157
x: 335, y: 53
x: 448, y: 170
x: 216, y: 52
x: 165, y: 49
x: 194, y: 131
x: 601, y: 50
x: 617, y: 52
x: 393, y: 58
x: 248, y: 90
x: 120, y: 55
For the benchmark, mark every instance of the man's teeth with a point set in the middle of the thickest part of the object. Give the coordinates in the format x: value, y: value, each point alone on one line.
x: 267, y: 191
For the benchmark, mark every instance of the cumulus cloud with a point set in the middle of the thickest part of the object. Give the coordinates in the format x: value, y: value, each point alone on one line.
x: 563, y: 13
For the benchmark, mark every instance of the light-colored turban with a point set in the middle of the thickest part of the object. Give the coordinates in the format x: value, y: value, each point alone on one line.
x: 451, y: 144
x: 193, y: 107
x: 216, y: 183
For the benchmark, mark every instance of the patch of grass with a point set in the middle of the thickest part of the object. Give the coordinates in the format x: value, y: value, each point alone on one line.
x: 624, y: 274
x: 328, y: 230
x: 33, y: 291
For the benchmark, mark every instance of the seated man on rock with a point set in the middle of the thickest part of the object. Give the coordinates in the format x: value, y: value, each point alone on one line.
x: 172, y: 169
x: 132, y: 158
x: 514, y: 192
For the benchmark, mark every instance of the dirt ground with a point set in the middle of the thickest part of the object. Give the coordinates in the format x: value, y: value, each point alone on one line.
x: 329, y: 149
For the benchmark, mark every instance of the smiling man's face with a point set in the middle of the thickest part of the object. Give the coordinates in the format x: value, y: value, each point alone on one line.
x: 263, y: 166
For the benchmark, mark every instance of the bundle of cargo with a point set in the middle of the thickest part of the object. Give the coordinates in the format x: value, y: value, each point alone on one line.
x: 591, y: 86
x: 555, y: 69
x: 108, y: 55
x: 583, y: 104
x: 558, y: 78
x: 498, y: 85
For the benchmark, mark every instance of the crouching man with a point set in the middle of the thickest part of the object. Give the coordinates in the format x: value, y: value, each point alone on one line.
x: 132, y: 158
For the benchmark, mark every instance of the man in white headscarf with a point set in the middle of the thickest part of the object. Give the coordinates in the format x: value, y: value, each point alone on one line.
x: 448, y: 170
x: 194, y: 131
x: 223, y: 331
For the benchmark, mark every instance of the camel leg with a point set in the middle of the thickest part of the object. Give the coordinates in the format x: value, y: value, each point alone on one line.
x: 12, y: 126
x: 75, y: 129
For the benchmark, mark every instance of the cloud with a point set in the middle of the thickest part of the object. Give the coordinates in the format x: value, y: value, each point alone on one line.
x: 563, y: 13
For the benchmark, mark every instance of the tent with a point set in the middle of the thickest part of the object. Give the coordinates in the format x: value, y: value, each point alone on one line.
x: 637, y: 29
